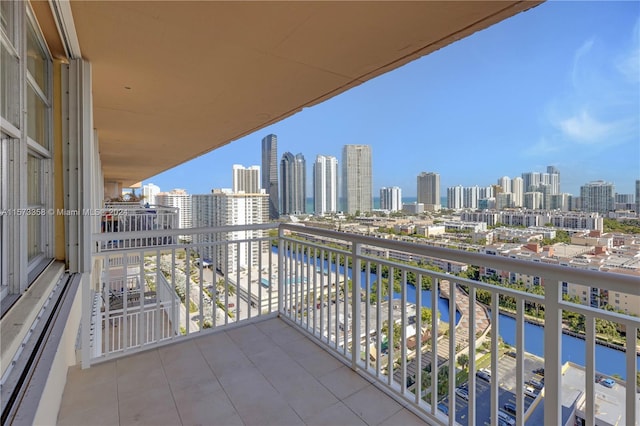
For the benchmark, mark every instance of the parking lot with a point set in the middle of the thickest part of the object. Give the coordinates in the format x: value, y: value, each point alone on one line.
x: 507, y: 377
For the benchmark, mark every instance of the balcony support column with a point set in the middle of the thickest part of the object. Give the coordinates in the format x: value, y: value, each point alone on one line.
x: 355, y: 305
x: 281, y: 248
x: 552, y: 352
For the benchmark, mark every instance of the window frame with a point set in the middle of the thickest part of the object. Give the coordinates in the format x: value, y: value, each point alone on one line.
x: 17, y: 271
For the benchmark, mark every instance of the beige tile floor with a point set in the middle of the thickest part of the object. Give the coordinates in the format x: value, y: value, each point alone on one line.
x: 266, y: 373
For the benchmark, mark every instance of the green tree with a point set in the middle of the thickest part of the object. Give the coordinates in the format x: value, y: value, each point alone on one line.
x: 463, y: 361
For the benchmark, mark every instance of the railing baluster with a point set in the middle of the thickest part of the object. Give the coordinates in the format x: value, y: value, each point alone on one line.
x: 390, y: 322
x: 417, y: 385
x: 403, y: 340
x: 552, y: 351
x: 520, y: 350
x: 355, y: 306
x: 495, y: 352
x: 590, y: 367
x: 471, y: 406
x: 367, y: 316
x: 452, y: 347
x: 378, y: 319
x: 435, y: 288
x: 631, y: 399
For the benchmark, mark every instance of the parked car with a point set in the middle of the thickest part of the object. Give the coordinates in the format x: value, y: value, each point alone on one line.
x: 539, y: 371
x: 530, y: 392
x: 462, y: 393
x: 444, y: 408
x: 484, y: 374
x: 505, y: 418
x: 608, y: 383
x: 536, y: 384
x: 510, y: 408
x: 512, y: 354
x: 599, y: 378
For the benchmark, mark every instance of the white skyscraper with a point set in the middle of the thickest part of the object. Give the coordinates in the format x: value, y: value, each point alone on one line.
x: 357, y: 181
x: 179, y: 199
x: 429, y: 191
x: 391, y: 198
x: 533, y: 200
x: 597, y: 197
x: 455, y: 197
x: 325, y: 184
x: 517, y: 189
x: 505, y: 183
x: 470, y: 197
x: 222, y: 208
x: 246, y: 179
x: 149, y: 192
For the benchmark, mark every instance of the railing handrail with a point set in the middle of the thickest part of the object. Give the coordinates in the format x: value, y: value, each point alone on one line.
x: 617, y: 282
x: 175, y: 232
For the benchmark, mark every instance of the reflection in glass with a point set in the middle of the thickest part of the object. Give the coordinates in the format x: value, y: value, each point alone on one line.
x: 9, y: 87
x: 36, y: 118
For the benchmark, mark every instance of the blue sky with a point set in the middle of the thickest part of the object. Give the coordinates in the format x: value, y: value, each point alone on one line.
x: 557, y: 85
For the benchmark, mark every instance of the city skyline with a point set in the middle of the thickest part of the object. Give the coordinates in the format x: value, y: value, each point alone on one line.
x: 477, y: 111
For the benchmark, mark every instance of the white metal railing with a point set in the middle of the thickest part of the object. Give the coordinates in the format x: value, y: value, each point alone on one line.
x: 308, y: 280
x: 120, y: 219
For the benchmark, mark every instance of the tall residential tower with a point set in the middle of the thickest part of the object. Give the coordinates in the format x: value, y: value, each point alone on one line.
x: 325, y: 184
x: 357, y: 181
x: 429, y: 191
x: 270, y: 172
x: 293, y: 184
x: 246, y: 179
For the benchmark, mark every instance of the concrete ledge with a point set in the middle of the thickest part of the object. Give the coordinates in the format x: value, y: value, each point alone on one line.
x: 15, y: 325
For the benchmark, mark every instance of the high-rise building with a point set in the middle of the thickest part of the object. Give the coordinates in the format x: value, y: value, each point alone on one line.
x: 179, y: 199
x: 598, y: 197
x: 293, y: 184
x: 391, y: 198
x: 455, y: 197
x: 270, y: 173
x: 357, y: 181
x: 530, y: 181
x: 149, y: 192
x: 638, y: 197
x: 470, y: 197
x: 554, y: 179
x: 517, y: 189
x: 246, y: 179
x: 429, y: 191
x: 505, y: 184
x: 325, y: 184
x: 533, y: 200
x: 223, y: 208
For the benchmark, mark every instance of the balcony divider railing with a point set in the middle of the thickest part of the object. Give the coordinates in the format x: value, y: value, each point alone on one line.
x: 364, y: 309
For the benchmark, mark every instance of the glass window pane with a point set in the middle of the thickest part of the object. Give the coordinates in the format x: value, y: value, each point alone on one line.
x: 34, y: 236
x: 8, y: 19
x: 34, y: 201
x: 36, y: 60
x: 9, y: 87
x: 36, y: 118
x: 34, y: 181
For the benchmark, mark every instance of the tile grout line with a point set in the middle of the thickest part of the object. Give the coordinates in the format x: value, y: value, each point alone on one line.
x: 173, y: 398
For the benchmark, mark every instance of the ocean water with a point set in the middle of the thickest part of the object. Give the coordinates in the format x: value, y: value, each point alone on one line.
x: 376, y: 202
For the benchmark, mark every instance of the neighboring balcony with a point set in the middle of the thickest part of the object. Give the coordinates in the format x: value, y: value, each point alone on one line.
x: 277, y: 329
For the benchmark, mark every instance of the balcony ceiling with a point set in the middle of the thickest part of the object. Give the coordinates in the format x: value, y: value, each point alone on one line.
x: 174, y: 80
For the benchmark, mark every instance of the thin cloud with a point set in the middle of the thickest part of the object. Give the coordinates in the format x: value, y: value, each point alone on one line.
x: 583, y: 127
x: 578, y: 58
x: 543, y: 147
x: 628, y: 64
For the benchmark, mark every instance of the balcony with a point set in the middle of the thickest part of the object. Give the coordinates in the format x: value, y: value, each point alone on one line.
x: 252, y: 328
